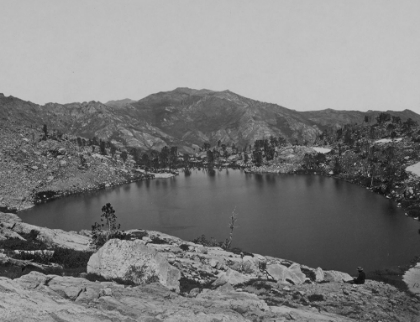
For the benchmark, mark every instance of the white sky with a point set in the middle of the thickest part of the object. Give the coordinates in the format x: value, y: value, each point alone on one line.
x: 304, y: 55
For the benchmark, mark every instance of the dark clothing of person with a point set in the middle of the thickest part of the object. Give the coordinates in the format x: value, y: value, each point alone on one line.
x: 361, y: 278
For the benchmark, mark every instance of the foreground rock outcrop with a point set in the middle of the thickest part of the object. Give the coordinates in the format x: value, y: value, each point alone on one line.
x: 39, y: 297
x: 12, y: 227
x: 133, y: 261
x: 412, y: 279
x: 157, y: 277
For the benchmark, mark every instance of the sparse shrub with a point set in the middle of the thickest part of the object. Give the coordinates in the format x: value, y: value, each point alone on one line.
x: 99, y: 278
x: 316, y: 297
x: 414, y: 212
x: 262, y: 266
x: 108, y: 229
x: 124, y: 156
x: 134, y: 273
x: 137, y: 273
x: 66, y: 257
x: 38, y: 257
x: 186, y: 285
x: 152, y: 279
x: 258, y: 283
x: 82, y: 160
x: 30, y: 243
x: 202, y: 240
x: 233, y: 219
x: 184, y: 247
x: 102, y: 147
x: 157, y: 240
x: 70, y: 258
x: 139, y: 234
x: 239, y: 251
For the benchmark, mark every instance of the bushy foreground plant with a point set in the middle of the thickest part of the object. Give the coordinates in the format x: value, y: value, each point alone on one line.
x: 108, y: 228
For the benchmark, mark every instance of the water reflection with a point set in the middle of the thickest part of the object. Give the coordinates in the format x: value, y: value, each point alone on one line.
x: 309, y: 180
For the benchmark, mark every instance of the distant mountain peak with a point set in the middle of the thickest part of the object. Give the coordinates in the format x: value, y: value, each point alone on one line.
x: 119, y: 103
x: 191, y: 91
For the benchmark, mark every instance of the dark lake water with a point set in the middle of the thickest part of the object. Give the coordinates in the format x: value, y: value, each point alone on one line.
x: 313, y: 220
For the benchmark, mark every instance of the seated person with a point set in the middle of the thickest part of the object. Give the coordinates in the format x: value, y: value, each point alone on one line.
x: 360, y: 279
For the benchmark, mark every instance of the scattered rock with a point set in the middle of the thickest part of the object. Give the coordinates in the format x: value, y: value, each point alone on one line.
x: 292, y: 274
x: 194, y: 292
x: 412, y: 279
x: 319, y: 274
x: 106, y: 292
x: 232, y: 277
x: 335, y: 276
x: 213, y: 262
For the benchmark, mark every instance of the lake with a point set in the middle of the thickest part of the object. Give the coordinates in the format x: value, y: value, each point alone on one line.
x: 310, y: 219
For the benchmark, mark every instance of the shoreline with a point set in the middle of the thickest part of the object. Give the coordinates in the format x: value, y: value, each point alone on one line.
x: 354, y: 181
x: 391, y: 275
x: 97, y: 187
x: 381, y: 276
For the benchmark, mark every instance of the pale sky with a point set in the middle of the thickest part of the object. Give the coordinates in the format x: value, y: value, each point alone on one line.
x: 304, y: 55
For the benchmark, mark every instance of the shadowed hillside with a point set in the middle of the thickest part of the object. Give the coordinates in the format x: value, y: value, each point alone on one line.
x: 183, y: 117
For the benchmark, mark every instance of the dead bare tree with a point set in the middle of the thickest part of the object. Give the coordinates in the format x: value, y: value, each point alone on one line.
x: 233, y: 219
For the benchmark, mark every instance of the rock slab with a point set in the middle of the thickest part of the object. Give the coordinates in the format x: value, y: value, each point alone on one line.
x: 133, y: 261
x: 412, y: 279
x: 281, y: 273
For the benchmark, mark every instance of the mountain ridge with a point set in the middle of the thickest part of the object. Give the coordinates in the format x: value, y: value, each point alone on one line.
x: 184, y: 117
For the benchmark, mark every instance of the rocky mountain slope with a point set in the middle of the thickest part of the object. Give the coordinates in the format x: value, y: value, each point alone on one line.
x: 33, y: 169
x: 208, y: 284
x: 183, y: 117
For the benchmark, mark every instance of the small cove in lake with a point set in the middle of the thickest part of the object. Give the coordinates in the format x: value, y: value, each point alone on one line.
x: 310, y: 219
